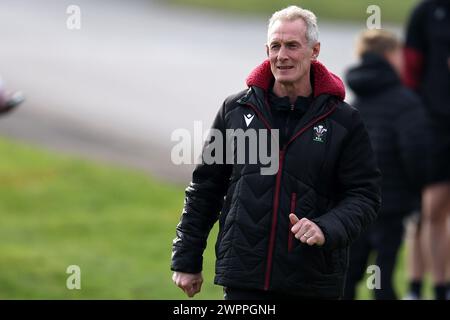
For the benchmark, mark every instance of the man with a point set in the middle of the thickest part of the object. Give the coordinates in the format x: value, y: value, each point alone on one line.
x: 284, y: 235
x: 427, y: 55
x: 397, y: 125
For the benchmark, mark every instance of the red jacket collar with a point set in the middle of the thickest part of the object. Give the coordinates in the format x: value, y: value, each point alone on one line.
x: 325, y: 82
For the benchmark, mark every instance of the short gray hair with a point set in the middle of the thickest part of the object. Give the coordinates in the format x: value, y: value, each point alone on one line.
x: 293, y: 13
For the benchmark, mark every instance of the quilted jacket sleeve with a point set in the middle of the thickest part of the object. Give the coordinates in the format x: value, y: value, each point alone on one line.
x: 203, y: 200
x: 359, y: 183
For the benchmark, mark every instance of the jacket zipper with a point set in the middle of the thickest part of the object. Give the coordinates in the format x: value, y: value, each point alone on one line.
x: 290, y: 234
x: 273, y: 230
x: 278, y: 185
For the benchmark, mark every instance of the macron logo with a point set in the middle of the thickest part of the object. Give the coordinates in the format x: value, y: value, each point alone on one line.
x: 248, y: 118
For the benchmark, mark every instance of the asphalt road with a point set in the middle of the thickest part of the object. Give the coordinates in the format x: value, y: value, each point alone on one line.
x: 116, y: 89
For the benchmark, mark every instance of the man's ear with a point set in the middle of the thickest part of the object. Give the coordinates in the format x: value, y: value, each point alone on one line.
x: 267, y: 50
x: 315, y: 51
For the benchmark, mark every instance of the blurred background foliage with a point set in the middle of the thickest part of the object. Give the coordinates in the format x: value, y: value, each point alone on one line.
x: 334, y: 10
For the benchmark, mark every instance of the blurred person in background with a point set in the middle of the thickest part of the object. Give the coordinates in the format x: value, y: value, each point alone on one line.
x: 9, y: 101
x: 418, y: 259
x: 284, y: 235
x: 417, y: 263
x: 427, y: 70
x: 397, y: 126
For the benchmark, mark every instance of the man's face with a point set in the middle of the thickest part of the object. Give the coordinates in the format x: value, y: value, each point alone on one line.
x: 289, y: 53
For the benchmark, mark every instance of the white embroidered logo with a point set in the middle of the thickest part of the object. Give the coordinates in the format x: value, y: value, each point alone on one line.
x: 319, y: 133
x: 248, y: 118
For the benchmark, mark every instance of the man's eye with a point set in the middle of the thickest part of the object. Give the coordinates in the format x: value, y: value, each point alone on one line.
x: 274, y: 46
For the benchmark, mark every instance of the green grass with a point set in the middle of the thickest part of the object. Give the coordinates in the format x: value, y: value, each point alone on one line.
x: 116, y: 224
x: 348, y: 10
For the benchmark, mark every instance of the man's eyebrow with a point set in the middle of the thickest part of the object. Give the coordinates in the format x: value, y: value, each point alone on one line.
x: 292, y: 41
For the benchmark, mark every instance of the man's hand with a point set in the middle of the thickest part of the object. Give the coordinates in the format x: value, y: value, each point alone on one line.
x: 190, y: 283
x: 306, y: 231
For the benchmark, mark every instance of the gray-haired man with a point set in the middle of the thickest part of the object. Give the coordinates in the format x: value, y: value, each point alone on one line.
x: 284, y: 235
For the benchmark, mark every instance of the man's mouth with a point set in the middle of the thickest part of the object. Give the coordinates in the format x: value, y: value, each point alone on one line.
x: 284, y: 67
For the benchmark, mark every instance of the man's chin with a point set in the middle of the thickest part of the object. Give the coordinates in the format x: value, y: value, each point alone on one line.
x: 284, y: 80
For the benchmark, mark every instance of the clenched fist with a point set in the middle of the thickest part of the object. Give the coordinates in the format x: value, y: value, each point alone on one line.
x: 190, y: 283
x: 306, y: 231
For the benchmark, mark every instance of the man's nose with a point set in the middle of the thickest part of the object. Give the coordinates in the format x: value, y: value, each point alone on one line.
x: 282, y: 53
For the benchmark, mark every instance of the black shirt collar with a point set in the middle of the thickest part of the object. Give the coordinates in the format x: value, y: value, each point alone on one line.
x: 283, y: 104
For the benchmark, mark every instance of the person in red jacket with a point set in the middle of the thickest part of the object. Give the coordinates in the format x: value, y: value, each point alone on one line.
x: 427, y: 55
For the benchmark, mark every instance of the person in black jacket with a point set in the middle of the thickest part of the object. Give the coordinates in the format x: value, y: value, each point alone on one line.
x: 397, y: 125
x: 427, y: 54
x: 282, y: 235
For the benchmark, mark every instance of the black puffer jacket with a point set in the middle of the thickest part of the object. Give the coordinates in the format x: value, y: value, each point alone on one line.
x: 330, y: 178
x: 397, y: 125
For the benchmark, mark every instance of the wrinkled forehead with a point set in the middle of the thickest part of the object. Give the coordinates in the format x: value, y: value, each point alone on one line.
x: 287, y: 30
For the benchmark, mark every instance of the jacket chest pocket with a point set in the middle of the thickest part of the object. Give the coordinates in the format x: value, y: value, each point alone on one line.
x: 307, y: 155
